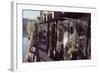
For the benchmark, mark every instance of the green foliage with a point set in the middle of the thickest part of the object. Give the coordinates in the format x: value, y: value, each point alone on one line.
x: 31, y: 24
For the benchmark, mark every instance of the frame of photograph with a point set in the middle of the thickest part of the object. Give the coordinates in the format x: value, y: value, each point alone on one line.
x: 16, y: 48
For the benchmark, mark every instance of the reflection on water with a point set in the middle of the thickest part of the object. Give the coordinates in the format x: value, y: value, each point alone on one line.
x: 25, y: 46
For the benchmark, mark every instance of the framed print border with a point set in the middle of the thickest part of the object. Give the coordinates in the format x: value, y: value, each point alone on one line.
x: 16, y: 36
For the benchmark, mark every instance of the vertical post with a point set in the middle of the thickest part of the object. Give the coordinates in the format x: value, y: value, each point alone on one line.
x: 36, y: 41
x: 48, y: 36
x: 88, y: 39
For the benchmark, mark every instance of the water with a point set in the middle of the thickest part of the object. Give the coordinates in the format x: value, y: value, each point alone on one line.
x: 25, y: 46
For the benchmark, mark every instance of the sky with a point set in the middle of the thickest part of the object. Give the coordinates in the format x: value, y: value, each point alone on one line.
x: 30, y: 14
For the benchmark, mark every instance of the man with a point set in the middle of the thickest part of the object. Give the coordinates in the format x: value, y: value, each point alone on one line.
x: 31, y: 57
